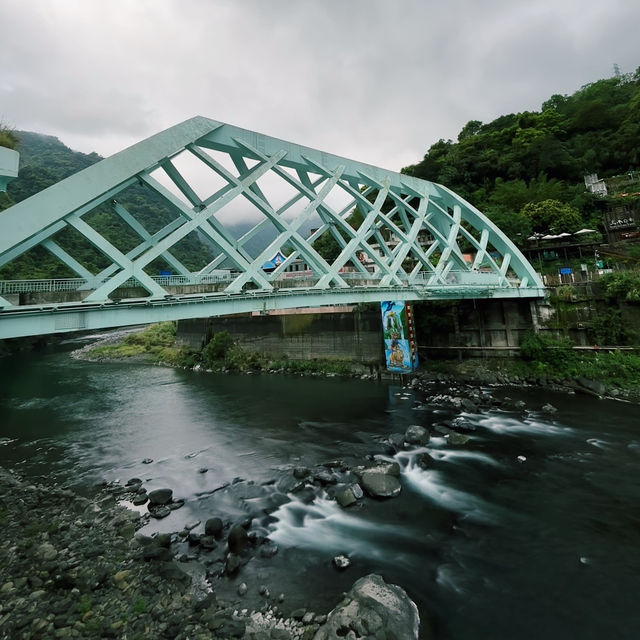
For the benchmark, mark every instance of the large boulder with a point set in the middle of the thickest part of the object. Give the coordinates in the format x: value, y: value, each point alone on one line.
x: 347, y: 495
x: 416, y: 434
x: 213, y: 527
x: 160, y: 496
x: 373, y: 609
x: 379, y: 484
x: 237, y: 538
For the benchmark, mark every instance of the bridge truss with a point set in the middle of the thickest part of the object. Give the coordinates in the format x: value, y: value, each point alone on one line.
x: 409, y: 238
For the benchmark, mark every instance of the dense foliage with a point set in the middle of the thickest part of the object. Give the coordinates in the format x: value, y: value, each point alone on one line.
x: 542, y: 347
x: 543, y: 155
x: 622, y: 286
x: 8, y: 138
x: 44, y: 160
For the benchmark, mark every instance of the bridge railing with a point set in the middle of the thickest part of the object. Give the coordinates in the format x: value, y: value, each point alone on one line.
x: 304, y: 280
x: 35, y: 286
x: 74, y: 284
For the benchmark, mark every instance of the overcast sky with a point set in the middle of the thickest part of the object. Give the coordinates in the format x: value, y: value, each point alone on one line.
x: 374, y: 80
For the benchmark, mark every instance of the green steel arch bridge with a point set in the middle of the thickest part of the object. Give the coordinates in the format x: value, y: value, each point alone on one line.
x: 416, y: 240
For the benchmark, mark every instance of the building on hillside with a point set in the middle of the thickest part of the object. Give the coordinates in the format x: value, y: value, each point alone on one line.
x: 595, y: 185
x: 621, y: 204
x: 622, y: 219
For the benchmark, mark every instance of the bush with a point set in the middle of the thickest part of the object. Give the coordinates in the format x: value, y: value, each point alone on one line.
x: 217, y: 348
x: 542, y: 347
x: 622, y: 286
x: 162, y: 334
x: 8, y: 139
x: 607, y: 328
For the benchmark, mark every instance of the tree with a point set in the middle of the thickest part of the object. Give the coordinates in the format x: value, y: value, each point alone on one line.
x: 8, y: 138
x: 472, y: 128
x: 552, y: 216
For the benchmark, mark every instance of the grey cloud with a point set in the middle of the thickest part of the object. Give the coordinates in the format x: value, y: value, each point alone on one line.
x: 375, y: 80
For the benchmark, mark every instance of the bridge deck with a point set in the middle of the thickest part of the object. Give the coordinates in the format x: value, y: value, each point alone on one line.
x: 27, y: 320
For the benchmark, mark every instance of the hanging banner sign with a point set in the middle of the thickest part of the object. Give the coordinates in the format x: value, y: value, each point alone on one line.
x: 398, y: 332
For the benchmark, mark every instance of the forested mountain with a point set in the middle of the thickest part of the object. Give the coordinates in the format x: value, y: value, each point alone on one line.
x: 535, y: 156
x: 44, y: 160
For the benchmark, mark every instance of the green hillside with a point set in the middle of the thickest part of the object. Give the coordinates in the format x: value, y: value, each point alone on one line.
x: 535, y: 156
x: 44, y: 160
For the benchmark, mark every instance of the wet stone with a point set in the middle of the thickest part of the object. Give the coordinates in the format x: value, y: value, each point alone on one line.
x: 213, y: 527
x: 232, y: 564
x: 341, y: 562
x: 208, y: 542
x: 416, y: 434
x: 163, y: 540
x: 237, y: 538
x: 160, y: 496
x: 159, y: 512
x: 457, y: 438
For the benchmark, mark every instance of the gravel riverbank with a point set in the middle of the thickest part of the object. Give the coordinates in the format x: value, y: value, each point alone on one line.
x: 77, y: 567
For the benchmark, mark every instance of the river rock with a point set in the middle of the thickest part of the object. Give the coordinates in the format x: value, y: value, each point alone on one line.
x: 469, y: 405
x: 325, y: 477
x: 440, y: 428
x: 232, y: 564
x: 160, y: 496
x: 396, y: 441
x: 159, y: 511
x: 382, y: 481
x: 47, y: 552
x: 457, y: 438
x: 213, y: 527
x: 237, y: 538
x: 341, y: 562
x: 348, y: 495
x: 387, y: 468
x: 371, y: 609
x: 416, y: 434
x: 462, y: 424
x: 424, y: 461
x: 163, y: 540
x: 268, y: 550
x: 301, y: 472
x: 208, y: 542
x: 548, y: 408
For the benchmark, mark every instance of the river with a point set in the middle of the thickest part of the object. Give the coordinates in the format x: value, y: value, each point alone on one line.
x: 530, y: 530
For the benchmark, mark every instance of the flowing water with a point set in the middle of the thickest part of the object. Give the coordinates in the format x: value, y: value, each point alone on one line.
x: 530, y: 530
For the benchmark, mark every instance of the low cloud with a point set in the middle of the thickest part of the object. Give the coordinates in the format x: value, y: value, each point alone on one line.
x: 369, y: 79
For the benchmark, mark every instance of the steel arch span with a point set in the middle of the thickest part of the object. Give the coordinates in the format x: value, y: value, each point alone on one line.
x: 413, y: 239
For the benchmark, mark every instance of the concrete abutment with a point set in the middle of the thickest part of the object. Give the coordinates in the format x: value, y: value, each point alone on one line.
x: 445, y: 329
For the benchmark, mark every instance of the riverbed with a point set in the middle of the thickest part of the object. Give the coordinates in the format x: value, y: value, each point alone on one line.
x: 531, y: 529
